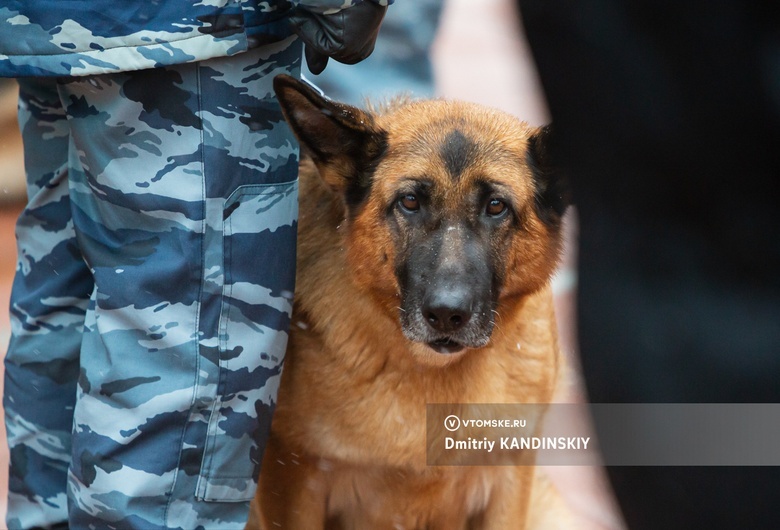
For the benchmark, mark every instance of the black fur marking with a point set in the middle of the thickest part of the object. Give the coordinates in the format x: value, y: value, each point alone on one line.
x: 360, y: 185
x: 457, y: 152
x: 552, y: 195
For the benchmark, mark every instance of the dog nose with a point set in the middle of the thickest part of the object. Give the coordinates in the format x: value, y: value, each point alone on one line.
x: 447, y: 313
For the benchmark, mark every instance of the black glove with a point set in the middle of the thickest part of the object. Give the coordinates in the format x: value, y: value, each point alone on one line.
x: 348, y: 36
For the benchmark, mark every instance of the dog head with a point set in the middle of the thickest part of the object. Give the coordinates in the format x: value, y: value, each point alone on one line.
x: 453, y: 210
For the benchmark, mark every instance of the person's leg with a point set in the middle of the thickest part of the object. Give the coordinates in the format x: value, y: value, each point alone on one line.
x: 50, y: 294
x: 183, y: 184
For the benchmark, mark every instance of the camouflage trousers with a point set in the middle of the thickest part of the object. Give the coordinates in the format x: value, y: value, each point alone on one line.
x: 153, y: 293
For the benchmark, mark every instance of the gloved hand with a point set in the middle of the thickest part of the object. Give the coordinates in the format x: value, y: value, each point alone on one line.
x: 348, y: 36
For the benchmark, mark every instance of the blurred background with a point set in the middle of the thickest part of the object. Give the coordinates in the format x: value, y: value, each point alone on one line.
x: 12, y: 196
x: 477, y: 55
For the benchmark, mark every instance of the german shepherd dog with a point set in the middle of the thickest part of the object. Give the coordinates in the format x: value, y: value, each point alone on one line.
x: 428, y: 234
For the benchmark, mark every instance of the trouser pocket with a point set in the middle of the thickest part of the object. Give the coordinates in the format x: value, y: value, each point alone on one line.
x: 259, y: 231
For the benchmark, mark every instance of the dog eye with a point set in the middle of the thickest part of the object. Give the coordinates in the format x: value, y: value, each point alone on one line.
x: 409, y: 202
x: 495, y: 207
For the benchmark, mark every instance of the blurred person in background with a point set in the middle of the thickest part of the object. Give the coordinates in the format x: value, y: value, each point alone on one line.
x: 667, y: 118
x: 401, y: 61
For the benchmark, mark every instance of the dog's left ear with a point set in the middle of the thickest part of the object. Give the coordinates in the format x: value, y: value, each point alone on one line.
x: 343, y: 141
x: 552, y: 195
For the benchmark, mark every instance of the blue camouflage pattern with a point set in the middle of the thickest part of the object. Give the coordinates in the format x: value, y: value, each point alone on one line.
x: 153, y: 293
x: 67, y: 38
x: 400, y: 63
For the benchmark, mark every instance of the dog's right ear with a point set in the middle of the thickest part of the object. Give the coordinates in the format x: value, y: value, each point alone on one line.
x: 343, y: 141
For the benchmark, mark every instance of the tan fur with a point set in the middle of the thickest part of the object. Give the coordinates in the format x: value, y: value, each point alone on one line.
x: 348, y: 434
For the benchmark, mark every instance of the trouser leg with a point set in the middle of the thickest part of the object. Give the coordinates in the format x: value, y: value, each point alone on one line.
x: 183, y: 184
x: 49, y: 297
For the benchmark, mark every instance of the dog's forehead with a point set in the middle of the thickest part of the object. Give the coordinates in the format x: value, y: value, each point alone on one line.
x: 456, y: 132
x: 456, y: 143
